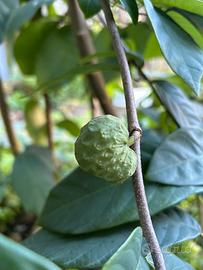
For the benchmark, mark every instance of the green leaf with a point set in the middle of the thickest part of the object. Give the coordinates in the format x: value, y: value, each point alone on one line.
x: 32, y: 177
x: 70, y: 74
x: 151, y: 140
x: 84, y: 251
x: 178, y: 104
x: 152, y: 49
x: 58, y: 54
x: 174, y: 226
x: 13, y: 256
x: 136, y: 36
x: 180, y: 51
x: 90, y: 7
x: 108, y: 205
x: 172, y: 262
x: 141, y: 39
x: 129, y: 255
x: 187, y: 26
x: 34, y: 35
x: 94, y: 249
x: 197, y: 20
x: 132, y: 9
x: 179, y: 159
x: 194, y: 6
x: 70, y: 126
x: 13, y: 15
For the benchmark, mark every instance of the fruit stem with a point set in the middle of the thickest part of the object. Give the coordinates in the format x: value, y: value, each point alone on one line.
x: 133, y: 126
x: 131, y: 140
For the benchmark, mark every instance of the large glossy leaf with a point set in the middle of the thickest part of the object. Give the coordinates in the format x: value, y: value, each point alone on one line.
x: 13, y: 15
x: 194, y: 6
x: 179, y: 159
x: 129, y: 255
x: 172, y: 262
x: 178, y: 104
x: 93, y: 250
x: 14, y: 256
x: 90, y: 7
x: 83, y: 251
x: 132, y: 9
x: 180, y: 51
x: 32, y: 177
x: 108, y: 205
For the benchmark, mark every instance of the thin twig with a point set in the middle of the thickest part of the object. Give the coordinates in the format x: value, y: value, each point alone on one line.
x: 86, y: 47
x: 49, y: 124
x: 15, y: 147
x: 133, y: 125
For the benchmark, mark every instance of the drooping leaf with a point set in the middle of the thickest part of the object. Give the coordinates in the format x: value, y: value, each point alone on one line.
x: 178, y: 104
x: 90, y: 7
x: 108, y: 205
x: 129, y: 255
x: 172, y: 262
x: 178, y: 160
x: 187, y: 26
x: 14, y: 256
x: 180, y: 51
x: 32, y: 177
x: 13, y: 15
x: 194, y: 6
x: 132, y: 9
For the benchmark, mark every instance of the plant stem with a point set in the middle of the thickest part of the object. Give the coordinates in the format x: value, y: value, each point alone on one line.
x: 133, y: 126
x: 86, y: 47
x: 49, y: 125
x: 7, y: 122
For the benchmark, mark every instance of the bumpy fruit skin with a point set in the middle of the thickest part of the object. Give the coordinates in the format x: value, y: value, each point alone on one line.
x: 102, y: 149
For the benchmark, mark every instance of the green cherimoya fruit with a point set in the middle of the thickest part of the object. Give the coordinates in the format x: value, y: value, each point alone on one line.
x: 102, y: 149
